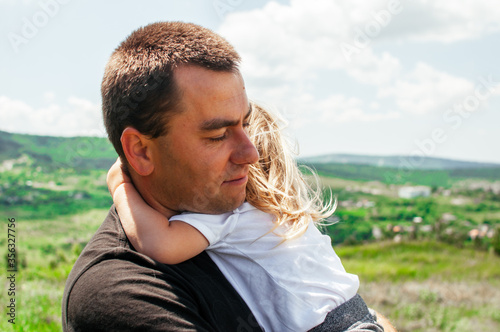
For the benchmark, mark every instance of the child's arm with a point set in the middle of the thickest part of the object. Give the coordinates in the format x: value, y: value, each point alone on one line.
x: 150, y: 232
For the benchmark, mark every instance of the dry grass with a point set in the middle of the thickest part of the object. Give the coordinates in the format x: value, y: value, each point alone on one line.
x: 435, y: 305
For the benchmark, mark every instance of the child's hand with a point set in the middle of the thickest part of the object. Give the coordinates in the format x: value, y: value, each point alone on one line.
x: 116, y: 176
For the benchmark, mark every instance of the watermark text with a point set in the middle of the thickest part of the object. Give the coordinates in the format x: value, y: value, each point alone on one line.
x: 11, y: 270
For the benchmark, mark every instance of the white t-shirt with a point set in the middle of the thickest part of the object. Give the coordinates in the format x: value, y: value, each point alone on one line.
x: 288, y: 286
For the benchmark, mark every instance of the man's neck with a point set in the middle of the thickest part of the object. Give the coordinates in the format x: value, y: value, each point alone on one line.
x: 146, y: 193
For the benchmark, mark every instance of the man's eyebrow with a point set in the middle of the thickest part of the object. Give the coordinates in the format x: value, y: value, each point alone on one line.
x: 219, y: 123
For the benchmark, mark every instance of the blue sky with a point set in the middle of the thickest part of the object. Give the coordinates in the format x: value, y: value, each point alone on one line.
x: 418, y: 78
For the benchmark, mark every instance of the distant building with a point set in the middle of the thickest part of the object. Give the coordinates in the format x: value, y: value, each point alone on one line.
x: 412, y: 192
x: 447, y: 217
x: 417, y: 220
x: 426, y: 228
x: 377, y: 233
x: 359, y: 204
x: 459, y: 201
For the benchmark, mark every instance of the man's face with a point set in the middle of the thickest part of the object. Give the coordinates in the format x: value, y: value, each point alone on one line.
x: 202, y: 164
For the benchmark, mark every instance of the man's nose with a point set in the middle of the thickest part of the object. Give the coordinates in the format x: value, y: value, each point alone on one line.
x: 244, y: 151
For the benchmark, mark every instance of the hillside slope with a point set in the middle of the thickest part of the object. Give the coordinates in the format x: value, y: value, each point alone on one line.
x: 389, y: 175
x: 404, y: 162
x: 57, y: 152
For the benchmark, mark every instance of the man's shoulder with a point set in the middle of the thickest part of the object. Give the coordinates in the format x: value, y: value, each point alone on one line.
x: 109, y: 259
x: 111, y: 285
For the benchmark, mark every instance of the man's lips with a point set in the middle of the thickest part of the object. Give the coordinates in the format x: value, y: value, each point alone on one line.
x: 237, y: 180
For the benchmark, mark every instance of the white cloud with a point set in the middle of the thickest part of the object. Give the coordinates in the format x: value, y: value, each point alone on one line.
x: 299, y: 33
x: 362, y: 116
x: 368, y: 68
x: 49, y: 96
x: 341, y: 109
x: 425, y: 90
x: 292, y: 41
x: 445, y: 21
x: 286, y: 50
x: 75, y: 117
x: 14, y: 114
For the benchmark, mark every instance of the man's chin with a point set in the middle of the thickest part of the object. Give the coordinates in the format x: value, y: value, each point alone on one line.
x: 226, y: 206
x: 216, y: 206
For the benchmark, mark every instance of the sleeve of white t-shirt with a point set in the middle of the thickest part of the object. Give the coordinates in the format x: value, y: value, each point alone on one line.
x: 213, y: 227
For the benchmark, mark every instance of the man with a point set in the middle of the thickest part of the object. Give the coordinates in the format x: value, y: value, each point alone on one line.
x: 175, y: 109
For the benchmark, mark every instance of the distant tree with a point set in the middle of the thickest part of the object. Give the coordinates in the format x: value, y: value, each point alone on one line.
x: 495, y: 241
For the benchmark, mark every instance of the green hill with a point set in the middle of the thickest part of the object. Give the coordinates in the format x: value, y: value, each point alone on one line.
x: 52, y: 153
x: 398, y: 162
x: 42, y: 176
x: 392, y: 175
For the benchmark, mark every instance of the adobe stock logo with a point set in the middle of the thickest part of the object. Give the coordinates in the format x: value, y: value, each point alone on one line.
x: 30, y: 27
x: 222, y: 7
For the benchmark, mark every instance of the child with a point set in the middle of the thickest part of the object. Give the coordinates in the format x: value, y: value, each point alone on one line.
x: 269, y: 248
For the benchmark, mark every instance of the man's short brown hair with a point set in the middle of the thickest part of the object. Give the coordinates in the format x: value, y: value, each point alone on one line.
x: 138, y: 87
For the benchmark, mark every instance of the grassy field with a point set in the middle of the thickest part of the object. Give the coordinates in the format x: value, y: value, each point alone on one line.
x: 428, y: 286
x: 423, y: 286
x: 46, y: 251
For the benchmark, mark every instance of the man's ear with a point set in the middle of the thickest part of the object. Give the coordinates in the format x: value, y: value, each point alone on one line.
x: 137, y: 149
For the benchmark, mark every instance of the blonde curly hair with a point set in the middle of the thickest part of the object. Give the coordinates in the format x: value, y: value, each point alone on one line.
x: 275, y: 183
